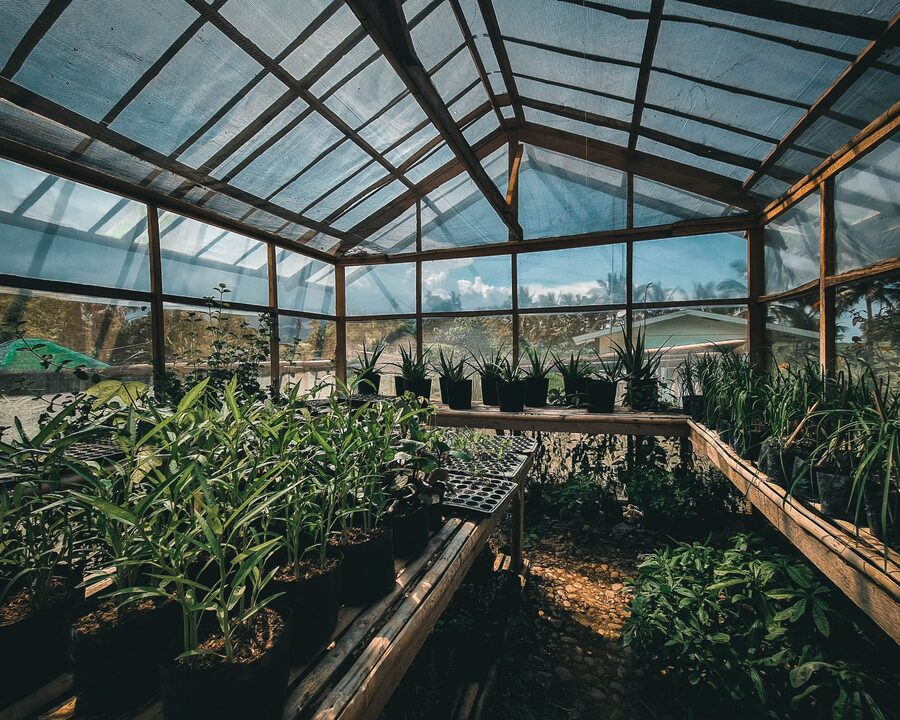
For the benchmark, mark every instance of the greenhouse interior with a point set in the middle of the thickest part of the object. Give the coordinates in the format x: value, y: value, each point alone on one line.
x: 457, y: 359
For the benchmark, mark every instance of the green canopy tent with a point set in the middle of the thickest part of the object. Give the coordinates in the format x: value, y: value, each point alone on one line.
x: 25, y: 355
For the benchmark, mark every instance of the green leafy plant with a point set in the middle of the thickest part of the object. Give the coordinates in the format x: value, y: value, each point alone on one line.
x: 640, y: 368
x: 538, y: 365
x: 449, y: 368
x: 489, y: 364
x: 367, y: 364
x: 510, y: 371
x: 411, y: 367
x: 574, y: 369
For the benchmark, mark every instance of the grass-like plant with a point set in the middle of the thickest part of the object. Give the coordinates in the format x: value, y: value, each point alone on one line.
x: 449, y: 367
x: 367, y: 363
x: 539, y: 365
x: 575, y: 369
x: 488, y: 364
x: 411, y: 367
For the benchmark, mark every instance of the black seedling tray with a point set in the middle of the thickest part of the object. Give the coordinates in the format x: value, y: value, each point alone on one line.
x: 506, y: 466
x: 493, y: 444
x: 97, y: 450
x: 476, y: 495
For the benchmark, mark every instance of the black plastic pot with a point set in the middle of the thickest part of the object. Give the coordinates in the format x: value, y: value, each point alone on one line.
x: 116, y: 668
x: 419, y: 388
x: 368, y: 571
x: 368, y: 384
x: 399, y: 385
x: 776, y: 463
x: 803, y: 478
x: 410, y: 531
x: 489, y: 391
x: 601, y: 396
x: 574, y: 389
x: 458, y: 393
x: 751, y: 444
x: 313, y: 603
x: 834, y: 492
x: 229, y: 691
x: 511, y: 395
x: 442, y: 386
x: 35, y: 649
x: 536, y: 389
x: 643, y: 394
x: 873, y: 498
x: 692, y: 405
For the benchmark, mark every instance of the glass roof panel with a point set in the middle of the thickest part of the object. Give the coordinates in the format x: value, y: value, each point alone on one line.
x: 659, y: 204
x: 370, y: 205
x: 343, y: 193
x: 481, y: 128
x: 585, y: 129
x: 16, y: 24
x: 434, y: 161
x: 272, y: 24
x: 574, y: 98
x: 390, y: 127
x: 316, y: 47
x: 457, y: 215
x: 405, y: 149
x: 175, y: 104
x: 398, y: 235
x: 563, y: 195
x: 697, y: 160
x: 117, y: 39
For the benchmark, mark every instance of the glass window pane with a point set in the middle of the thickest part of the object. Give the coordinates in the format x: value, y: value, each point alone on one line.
x: 55, y: 229
x: 482, y: 283
x: 581, y: 276
x: 563, y: 195
x: 304, y: 283
x: 464, y: 336
x: 868, y: 326
x: 792, y: 329
x: 866, y: 198
x: 307, y: 352
x: 659, y: 204
x: 197, y: 257
x: 381, y: 289
x: 107, y: 337
x: 395, y: 333
x: 702, y: 267
x: 189, y: 338
x: 792, y: 246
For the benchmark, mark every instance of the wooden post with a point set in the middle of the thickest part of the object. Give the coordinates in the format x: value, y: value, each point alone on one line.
x: 275, y: 337
x: 629, y: 258
x: 826, y: 268
x: 157, y: 319
x: 517, y: 541
x: 512, y: 198
x: 340, y: 342
x: 420, y: 330
x: 756, y: 286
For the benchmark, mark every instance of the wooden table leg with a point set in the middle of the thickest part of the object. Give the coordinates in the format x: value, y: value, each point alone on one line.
x: 517, y: 528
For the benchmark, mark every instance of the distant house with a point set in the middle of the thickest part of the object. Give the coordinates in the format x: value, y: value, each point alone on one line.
x: 694, y: 331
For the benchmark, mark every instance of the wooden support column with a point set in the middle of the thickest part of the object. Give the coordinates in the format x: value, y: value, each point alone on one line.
x: 629, y: 257
x: 157, y: 319
x: 756, y: 285
x: 512, y: 199
x: 826, y: 267
x: 340, y: 342
x: 275, y: 337
x: 420, y: 330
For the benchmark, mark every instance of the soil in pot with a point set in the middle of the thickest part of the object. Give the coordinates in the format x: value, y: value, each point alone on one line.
x: 253, y: 686
x: 776, y: 462
x: 574, y: 390
x: 536, y: 389
x: 34, y: 644
x: 115, y: 653
x: 834, y: 492
x: 368, y: 384
x: 489, y: 390
x: 368, y: 570
x: 511, y: 395
x: 409, y: 526
x: 312, y: 592
x: 458, y: 394
x: 601, y: 396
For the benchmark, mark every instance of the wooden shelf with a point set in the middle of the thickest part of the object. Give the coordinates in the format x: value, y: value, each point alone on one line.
x: 853, y: 560
x: 570, y: 420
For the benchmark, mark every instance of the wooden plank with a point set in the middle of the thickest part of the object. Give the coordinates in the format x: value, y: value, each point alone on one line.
x: 157, y: 316
x: 885, y: 267
x: 340, y: 341
x: 756, y: 285
x: 516, y: 161
x: 570, y: 420
x: 856, y: 566
x: 476, y: 57
x: 640, y: 94
x: 496, y: 38
x: 827, y: 320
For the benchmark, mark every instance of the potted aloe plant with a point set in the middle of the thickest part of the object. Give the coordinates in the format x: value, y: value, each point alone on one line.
x: 456, y: 388
x: 489, y: 367
x: 688, y: 381
x: 413, y: 373
x: 600, y: 391
x: 511, y: 388
x: 575, y: 374
x: 368, y: 379
x: 537, y: 382
x: 639, y: 368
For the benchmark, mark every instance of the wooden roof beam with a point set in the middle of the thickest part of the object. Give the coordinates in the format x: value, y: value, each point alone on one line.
x: 385, y: 23
x: 476, y: 56
x: 888, y: 39
x: 496, y: 38
x: 640, y: 93
x: 652, y: 167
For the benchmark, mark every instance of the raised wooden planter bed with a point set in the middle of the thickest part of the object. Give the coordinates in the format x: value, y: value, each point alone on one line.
x: 851, y: 558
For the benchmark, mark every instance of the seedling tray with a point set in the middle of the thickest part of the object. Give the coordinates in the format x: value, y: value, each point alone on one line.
x: 506, y: 466
x: 476, y: 495
x: 97, y: 450
x: 493, y: 444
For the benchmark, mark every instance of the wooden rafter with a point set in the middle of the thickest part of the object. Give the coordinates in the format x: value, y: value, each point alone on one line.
x: 496, y: 38
x: 652, y: 167
x: 801, y: 15
x: 640, y: 93
x: 515, y: 165
x: 49, y: 15
x: 385, y: 23
x: 888, y: 39
x: 476, y: 56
